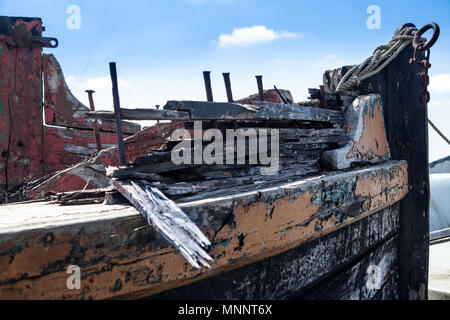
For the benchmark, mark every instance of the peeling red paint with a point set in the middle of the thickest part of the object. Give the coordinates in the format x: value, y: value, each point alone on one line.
x: 21, y: 97
x: 28, y: 149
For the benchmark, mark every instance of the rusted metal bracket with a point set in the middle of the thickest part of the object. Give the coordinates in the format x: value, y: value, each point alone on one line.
x: 96, y: 129
x: 20, y: 37
x: 40, y: 42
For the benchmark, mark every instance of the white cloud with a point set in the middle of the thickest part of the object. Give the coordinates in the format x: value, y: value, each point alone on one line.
x: 440, y: 83
x: 257, y: 34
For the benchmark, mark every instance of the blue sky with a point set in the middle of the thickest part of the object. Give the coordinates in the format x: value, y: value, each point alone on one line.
x: 162, y: 47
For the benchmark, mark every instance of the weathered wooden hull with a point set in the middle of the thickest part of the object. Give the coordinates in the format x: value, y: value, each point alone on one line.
x: 120, y: 257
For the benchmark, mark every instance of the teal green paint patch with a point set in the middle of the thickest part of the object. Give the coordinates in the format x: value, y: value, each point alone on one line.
x: 294, y: 194
x: 1, y: 107
x: 25, y: 162
x: 223, y: 243
x: 335, y: 194
x: 369, y: 107
x: 1, y: 48
x: 285, y: 230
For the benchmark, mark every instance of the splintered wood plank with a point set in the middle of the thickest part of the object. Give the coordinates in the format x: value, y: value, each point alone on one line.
x: 119, y: 255
x: 169, y: 220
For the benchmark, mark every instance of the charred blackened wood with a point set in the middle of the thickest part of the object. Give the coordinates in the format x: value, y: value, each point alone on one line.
x: 141, y: 114
x: 82, y: 197
x: 323, y: 98
x: 407, y: 131
x: 331, y: 78
x: 168, y: 219
x: 298, y: 112
x: 198, y: 110
x: 151, y: 169
x: 211, y: 184
x: 331, y: 99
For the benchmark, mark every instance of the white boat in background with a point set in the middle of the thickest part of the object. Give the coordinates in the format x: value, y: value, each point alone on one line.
x: 439, y: 268
x: 440, y: 200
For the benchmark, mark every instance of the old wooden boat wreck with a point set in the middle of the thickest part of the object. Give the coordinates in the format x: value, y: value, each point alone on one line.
x: 345, y: 216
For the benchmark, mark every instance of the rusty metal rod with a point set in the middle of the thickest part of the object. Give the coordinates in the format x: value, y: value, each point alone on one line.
x: 261, y: 93
x: 117, y: 114
x: 260, y: 87
x: 209, y: 94
x: 226, y: 79
x: 96, y: 129
x: 207, y: 78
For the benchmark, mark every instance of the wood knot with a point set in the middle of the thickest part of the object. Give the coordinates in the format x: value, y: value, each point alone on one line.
x: 49, y: 238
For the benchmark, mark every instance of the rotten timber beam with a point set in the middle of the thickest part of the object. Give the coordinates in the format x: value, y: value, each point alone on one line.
x: 198, y: 110
x: 141, y: 114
